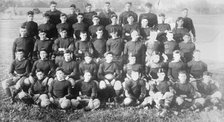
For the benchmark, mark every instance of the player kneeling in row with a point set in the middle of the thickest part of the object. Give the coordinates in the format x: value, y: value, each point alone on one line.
x: 87, y: 90
x: 60, y: 89
x: 39, y: 89
x: 210, y: 95
x: 109, y: 74
x: 135, y: 90
x: 19, y: 71
x: 161, y: 94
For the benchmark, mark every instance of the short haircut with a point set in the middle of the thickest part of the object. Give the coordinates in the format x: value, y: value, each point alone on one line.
x: 162, y: 15
x: 73, y: 5
x: 39, y: 70
x: 176, y: 52
x: 60, y: 69
x: 107, y: 2
x: 132, y: 55
x: 80, y: 14
x: 63, y: 14
x: 149, y: 5
x: 113, y: 15
x: 88, y: 54
x: 42, y: 31
x: 135, y: 30
x: 95, y: 16
x: 182, y: 72
x: 130, y: 15
x: 108, y: 53
x: 30, y: 13
x: 185, y: 9
x: 53, y: 2
x: 63, y: 29
x: 180, y: 18
x: 20, y: 50
x: 88, y: 4
x: 87, y: 71
x: 100, y: 28
x: 130, y: 3
x: 161, y: 70
x: 43, y: 49
x: 114, y: 30
x: 67, y: 51
x: 23, y: 26
x: 83, y: 32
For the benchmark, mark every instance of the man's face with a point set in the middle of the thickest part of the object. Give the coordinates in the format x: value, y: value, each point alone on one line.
x: 148, y: 9
x: 40, y: 75
x: 144, y: 22
x: 96, y: 20
x: 30, y: 17
x: 60, y: 75
x: 99, y: 33
x: 63, y: 34
x: 180, y: 22
x: 53, y: 7
x: 43, y: 55
x: 87, y: 76
x: 68, y: 56
x: 161, y: 76
x: 88, y: 8
x: 19, y: 55
x: 185, y: 13
x: 42, y: 35
x: 107, y: 7
x: 134, y: 35
x: 130, y: 19
x: 161, y: 19
x: 127, y: 7
x: 23, y: 32
x: 113, y: 34
x: 176, y: 57
x: 79, y: 18
x: 182, y: 77
x: 169, y: 36
x: 63, y: 19
x: 87, y: 59
x: 109, y: 58
x: 72, y: 10
x: 206, y: 79
x: 113, y: 19
x: 83, y: 36
x: 186, y: 38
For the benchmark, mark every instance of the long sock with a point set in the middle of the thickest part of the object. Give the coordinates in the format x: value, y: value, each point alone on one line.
x: 8, y: 92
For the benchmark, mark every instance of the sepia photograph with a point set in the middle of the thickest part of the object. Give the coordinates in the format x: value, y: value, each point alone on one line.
x: 111, y: 61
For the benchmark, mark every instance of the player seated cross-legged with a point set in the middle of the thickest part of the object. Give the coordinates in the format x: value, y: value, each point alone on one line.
x: 87, y: 98
x: 109, y: 75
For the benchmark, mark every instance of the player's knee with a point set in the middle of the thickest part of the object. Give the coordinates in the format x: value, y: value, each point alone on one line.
x: 127, y: 101
x: 179, y: 100
x: 43, y: 97
x: 22, y: 95
x: 74, y: 103
x: 50, y: 81
x: 5, y: 84
x: 72, y: 81
x: 200, y: 101
x: 44, y: 103
x: 117, y: 85
x: 65, y: 103
x: 96, y: 103
x: 217, y: 95
x: 27, y: 82
x: 102, y: 85
x: 31, y: 79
